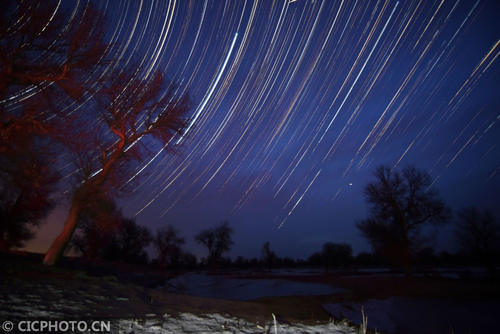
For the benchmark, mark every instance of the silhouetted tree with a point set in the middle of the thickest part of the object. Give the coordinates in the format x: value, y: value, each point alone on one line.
x: 478, y: 235
x: 168, y: 245
x: 103, y: 233
x: 315, y: 259
x: 217, y: 240
x: 332, y: 255
x: 401, y: 203
x: 268, y: 256
x: 97, y: 225
x: 336, y: 255
x: 130, y: 242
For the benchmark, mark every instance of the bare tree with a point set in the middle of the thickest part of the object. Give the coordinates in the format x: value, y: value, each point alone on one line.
x: 44, y: 65
x: 401, y: 203
x: 168, y: 245
x: 129, y: 243
x: 131, y: 110
x: 268, y: 256
x: 478, y: 235
x: 217, y: 240
x: 49, y: 59
x: 45, y: 62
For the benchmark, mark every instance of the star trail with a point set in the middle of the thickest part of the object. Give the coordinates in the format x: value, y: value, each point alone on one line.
x: 296, y: 102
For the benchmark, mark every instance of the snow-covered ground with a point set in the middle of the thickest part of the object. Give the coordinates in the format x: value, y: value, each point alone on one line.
x: 182, y: 323
x: 216, y: 323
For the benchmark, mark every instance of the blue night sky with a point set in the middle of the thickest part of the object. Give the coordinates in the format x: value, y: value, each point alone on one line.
x: 295, y: 103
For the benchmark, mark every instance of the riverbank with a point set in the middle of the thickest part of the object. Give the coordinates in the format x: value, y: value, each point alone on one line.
x: 31, y: 291
x: 131, y: 295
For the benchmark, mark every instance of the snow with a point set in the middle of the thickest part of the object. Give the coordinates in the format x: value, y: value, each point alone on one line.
x: 151, y: 323
x: 216, y: 323
x: 29, y: 301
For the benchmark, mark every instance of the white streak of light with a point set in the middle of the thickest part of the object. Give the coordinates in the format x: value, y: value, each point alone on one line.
x: 200, y: 109
x: 300, y: 199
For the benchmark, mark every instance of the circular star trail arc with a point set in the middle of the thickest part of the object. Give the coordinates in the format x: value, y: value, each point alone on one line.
x: 293, y: 99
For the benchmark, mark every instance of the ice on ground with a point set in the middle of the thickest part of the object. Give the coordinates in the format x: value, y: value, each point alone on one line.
x: 216, y: 323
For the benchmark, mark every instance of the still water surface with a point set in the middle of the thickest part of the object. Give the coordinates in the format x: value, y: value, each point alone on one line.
x: 223, y: 287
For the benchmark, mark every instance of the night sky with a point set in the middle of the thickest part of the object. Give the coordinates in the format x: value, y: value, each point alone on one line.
x: 295, y: 103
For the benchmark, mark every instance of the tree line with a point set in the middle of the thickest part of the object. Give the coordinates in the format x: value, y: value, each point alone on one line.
x: 103, y: 233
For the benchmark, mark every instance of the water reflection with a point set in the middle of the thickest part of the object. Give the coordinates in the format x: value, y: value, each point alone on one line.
x: 399, y: 315
x: 224, y: 287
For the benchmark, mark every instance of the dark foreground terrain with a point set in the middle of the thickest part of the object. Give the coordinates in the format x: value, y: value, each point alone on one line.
x: 77, y: 290
x: 80, y: 290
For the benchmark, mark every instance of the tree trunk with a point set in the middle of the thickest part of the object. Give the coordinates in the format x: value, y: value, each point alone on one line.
x: 59, y: 245
x: 79, y: 200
